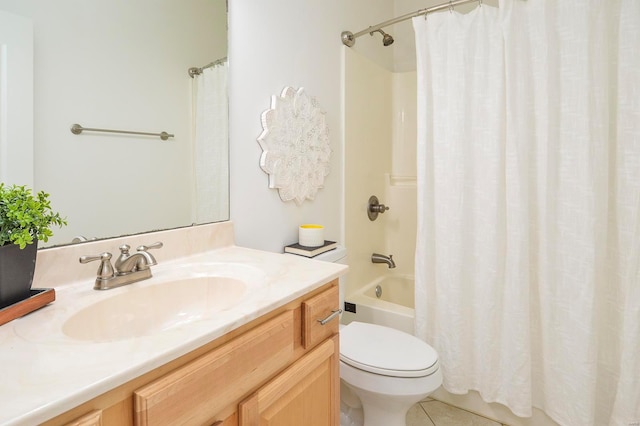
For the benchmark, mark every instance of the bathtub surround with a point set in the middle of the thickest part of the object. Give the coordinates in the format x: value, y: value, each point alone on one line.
x: 368, y: 130
x: 527, y: 263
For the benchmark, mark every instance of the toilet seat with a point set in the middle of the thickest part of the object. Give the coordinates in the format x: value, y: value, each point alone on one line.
x: 386, y: 351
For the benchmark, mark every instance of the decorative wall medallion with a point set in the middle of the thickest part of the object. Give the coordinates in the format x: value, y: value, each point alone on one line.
x: 295, y: 145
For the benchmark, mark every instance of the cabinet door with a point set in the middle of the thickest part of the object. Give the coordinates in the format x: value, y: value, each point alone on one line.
x: 197, y: 392
x: 322, y: 306
x: 306, y: 393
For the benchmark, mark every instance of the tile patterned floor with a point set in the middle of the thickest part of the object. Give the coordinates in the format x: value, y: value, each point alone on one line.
x: 435, y: 413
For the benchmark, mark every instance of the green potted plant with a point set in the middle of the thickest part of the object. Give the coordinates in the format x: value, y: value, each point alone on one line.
x: 25, y: 219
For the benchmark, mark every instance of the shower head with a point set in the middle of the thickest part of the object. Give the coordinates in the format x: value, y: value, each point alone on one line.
x: 386, y: 38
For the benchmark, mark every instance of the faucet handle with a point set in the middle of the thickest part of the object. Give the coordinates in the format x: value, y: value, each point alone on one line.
x: 105, y: 270
x: 152, y: 260
x: 155, y: 245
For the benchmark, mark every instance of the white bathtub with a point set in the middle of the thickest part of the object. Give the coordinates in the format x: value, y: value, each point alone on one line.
x: 394, y: 308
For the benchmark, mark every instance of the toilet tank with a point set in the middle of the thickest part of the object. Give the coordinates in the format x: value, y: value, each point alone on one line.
x: 337, y: 255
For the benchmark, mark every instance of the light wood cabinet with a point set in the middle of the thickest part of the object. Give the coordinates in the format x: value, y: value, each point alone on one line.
x: 280, y: 369
x: 305, y: 394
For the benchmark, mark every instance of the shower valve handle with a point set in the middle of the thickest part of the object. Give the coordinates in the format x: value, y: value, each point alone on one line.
x: 380, y: 208
x: 375, y: 207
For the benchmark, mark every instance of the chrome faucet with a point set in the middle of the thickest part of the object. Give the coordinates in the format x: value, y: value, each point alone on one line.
x: 129, y: 268
x: 381, y: 258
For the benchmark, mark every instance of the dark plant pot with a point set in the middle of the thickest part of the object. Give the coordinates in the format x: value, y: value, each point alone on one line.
x: 16, y: 272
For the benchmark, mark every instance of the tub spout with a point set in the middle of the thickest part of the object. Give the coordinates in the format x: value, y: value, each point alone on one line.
x: 381, y: 258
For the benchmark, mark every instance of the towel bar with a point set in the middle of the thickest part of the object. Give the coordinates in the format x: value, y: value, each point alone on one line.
x: 76, y: 129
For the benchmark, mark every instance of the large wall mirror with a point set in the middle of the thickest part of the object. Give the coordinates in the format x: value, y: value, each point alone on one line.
x: 122, y: 65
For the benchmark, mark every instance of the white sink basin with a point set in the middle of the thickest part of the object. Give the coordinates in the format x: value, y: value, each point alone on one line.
x: 151, y: 309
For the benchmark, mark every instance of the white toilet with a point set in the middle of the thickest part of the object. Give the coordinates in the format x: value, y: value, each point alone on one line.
x: 388, y: 370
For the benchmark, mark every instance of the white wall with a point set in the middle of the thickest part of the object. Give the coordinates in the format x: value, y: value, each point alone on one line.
x: 278, y: 43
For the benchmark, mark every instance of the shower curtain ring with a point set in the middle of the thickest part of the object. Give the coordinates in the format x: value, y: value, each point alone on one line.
x: 450, y: 7
x: 480, y: 3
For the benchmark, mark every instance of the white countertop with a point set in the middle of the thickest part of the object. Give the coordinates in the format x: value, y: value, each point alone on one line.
x: 44, y: 373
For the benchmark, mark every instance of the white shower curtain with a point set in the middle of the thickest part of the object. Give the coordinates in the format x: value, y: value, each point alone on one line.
x: 210, y: 145
x: 528, y: 250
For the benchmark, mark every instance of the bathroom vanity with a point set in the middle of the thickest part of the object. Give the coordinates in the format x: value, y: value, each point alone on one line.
x: 260, y: 357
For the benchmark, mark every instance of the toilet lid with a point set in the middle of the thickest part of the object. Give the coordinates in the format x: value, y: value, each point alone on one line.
x: 386, y: 351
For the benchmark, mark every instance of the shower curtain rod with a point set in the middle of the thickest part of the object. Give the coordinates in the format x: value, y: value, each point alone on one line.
x: 193, y: 71
x: 349, y: 38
